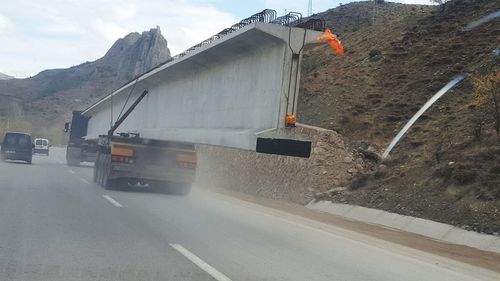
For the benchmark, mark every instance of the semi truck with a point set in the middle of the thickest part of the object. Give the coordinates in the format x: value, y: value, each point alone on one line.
x: 126, y: 159
x: 79, y: 149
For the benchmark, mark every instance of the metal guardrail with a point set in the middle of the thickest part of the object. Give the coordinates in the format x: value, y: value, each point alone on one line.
x: 314, y: 24
x: 289, y: 19
x: 292, y: 19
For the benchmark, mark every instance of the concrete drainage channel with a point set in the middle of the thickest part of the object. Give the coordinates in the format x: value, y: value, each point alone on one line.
x: 438, y: 231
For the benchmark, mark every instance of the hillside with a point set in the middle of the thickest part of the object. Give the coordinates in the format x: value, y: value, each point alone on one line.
x: 397, y: 57
x: 446, y: 168
x: 46, y: 100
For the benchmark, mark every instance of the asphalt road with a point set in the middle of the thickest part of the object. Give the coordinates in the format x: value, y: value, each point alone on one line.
x: 55, y: 224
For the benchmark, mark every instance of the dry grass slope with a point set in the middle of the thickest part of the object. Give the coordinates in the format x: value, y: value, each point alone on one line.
x: 397, y: 57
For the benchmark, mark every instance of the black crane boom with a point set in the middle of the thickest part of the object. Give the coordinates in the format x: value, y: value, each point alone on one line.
x: 126, y: 114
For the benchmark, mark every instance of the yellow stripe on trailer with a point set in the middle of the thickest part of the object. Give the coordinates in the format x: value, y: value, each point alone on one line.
x: 118, y: 149
x: 186, y: 157
x: 129, y: 144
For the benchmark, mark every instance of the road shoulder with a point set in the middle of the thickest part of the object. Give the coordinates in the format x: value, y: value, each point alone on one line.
x: 463, y: 254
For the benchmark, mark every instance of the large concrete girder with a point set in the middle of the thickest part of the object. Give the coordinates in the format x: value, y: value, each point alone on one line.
x: 224, y: 93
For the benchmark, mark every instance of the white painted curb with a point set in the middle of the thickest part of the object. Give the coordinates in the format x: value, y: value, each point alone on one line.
x: 436, y: 230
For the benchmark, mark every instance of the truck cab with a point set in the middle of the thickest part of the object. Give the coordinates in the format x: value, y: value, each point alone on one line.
x: 79, y: 149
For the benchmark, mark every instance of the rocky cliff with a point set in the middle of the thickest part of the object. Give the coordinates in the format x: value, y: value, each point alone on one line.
x: 137, y: 53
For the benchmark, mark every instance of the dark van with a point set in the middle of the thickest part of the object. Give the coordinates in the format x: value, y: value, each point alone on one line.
x: 17, y: 146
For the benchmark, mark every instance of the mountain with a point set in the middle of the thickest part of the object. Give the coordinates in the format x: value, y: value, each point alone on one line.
x: 48, y: 98
x: 5, y: 76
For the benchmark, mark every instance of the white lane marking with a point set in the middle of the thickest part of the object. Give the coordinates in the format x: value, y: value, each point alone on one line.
x: 85, y: 181
x: 200, y: 263
x: 112, y: 201
x: 71, y: 171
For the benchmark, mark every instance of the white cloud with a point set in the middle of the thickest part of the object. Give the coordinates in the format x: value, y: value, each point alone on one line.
x: 4, y: 21
x: 6, y: 25
x: 109, y: 31
x: 37, y: 35
x: 125, y: 11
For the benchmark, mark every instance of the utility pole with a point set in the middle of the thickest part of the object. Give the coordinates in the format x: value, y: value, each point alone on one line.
x: 310, y: 8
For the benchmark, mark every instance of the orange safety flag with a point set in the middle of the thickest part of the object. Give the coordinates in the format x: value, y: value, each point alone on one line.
x: 333, y: 41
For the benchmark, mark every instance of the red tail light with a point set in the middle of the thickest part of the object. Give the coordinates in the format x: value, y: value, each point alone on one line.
x: 186, y: 160
x: 121, y: 159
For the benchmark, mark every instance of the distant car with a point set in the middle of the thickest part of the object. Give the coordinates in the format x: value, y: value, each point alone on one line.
x: 17, y: 146
x: 41, y: 146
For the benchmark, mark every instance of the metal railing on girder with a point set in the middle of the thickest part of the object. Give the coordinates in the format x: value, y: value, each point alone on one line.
x: 292, y: 19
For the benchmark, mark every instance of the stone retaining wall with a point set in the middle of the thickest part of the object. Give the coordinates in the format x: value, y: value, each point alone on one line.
x: 332, y: 164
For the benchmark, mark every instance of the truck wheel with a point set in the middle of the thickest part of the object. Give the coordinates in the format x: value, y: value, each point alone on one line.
x: 96, y: 169
x: 72, y: 162
x: 107, y: 183
x: 100, y: 169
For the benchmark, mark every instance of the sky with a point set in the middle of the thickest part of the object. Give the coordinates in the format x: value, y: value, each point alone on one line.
x: 46, y: 34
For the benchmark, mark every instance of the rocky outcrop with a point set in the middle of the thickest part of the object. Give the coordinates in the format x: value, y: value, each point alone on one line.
x: 137, y: 53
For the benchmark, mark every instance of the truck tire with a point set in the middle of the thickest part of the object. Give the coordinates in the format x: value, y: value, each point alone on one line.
x: 99, y: 169
x: 106, y: 182
x: 96, y: 169
x: 73, y: 156
x: 70, y: 161
x: 103, y: 171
